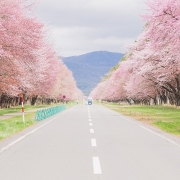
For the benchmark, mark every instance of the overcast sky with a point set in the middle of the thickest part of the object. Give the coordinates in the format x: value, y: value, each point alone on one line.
x: 82, y: 26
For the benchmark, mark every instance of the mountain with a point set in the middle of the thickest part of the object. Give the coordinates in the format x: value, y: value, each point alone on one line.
x: 88, y: 69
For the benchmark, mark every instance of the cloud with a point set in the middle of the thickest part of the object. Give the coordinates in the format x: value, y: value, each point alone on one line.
x: 82, y: 26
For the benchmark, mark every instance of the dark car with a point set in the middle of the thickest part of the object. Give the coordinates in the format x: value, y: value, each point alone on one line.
x: 89, y: 101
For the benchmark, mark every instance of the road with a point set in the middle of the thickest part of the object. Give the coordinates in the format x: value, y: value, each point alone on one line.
x: 90, y: 142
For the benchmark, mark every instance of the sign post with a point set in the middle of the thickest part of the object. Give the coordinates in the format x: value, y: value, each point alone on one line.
x: 22, y: 103
x: 64, y: 97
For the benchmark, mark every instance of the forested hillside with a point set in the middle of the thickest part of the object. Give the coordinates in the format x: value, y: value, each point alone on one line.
x: 88, y: 69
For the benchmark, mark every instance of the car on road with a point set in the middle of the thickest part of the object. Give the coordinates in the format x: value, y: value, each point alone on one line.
x: 89, y: 101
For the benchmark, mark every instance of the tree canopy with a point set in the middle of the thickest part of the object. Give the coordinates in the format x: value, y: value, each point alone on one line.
x: 29, y: 65
x: 152, y: 65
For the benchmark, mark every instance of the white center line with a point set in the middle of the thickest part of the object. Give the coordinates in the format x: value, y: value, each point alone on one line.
x: 90, y: 120
x: 91, y: 130
x: 93, y: 142
x: 90, y: 124
x: 96, y: 165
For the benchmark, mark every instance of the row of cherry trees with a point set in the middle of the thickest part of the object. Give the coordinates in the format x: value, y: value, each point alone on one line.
x: 151, y: 71
x: 29, y: 66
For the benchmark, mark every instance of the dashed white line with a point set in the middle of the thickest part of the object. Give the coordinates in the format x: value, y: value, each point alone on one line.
x: 96, y: 162
x: 96, y: 165
x: 93, y: 142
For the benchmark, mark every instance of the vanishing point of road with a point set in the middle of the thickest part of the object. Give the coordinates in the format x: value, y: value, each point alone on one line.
x: 90, y: 142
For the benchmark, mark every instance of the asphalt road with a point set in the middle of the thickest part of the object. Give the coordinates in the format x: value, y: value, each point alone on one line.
x: 90, y: 142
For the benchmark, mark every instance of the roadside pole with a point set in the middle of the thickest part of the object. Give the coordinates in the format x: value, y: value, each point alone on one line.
x: 22, y: 103
x: 64, y: 98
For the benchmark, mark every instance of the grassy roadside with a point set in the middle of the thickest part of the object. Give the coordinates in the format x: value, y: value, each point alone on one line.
x: 165, y: 117
x: 18, y: 109
x: 15, y: 124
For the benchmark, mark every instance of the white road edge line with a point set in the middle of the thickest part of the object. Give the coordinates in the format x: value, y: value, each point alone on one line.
x: 157, y: 134
x: 129, y: 120
x: 26, y: 135
x: 160, y: 136
x: 91, y: 131
x: 93, y: 142
x: 96, y: 165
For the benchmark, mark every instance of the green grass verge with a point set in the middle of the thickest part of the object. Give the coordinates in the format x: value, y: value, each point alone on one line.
x: 165, y: 117
x: 15, y: 124
x: 18, y: 108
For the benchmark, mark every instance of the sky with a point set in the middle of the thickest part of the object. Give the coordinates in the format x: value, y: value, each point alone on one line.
x: 82, y: 26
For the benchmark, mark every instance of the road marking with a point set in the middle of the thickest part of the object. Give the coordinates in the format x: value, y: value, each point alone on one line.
x: 172, y: 142
x: 91, y: 131
x: 93, y: 142
x: 90, y: 124
x: 26, y: 135
x: 96, y: 165
x: 163, y: 137
x: 129, y: 120
x: 90, y: 120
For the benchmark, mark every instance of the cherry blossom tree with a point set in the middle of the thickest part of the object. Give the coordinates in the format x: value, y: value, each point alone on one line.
x: 153, y: 60
x: 112, y: 88
x: 28, y: 63
x: 20, y: 35
x: 161, y: 44
x: 66, y: 85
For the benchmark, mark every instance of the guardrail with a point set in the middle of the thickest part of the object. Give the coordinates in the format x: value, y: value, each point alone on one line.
x: 45, y: 113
